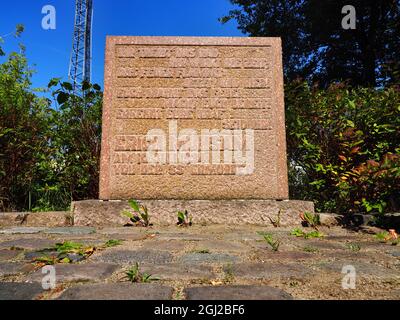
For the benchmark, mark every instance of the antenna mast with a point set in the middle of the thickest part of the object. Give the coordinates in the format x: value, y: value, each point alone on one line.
x: 81, y: 56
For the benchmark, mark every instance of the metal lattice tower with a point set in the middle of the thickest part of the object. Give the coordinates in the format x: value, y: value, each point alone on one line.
x: 81, y: 56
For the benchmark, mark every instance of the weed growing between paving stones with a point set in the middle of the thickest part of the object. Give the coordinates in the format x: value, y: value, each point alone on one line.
x: 353, y: 247
x: 276, y: 222
x: 385, y: 237
x: 229, y: 275
x: 306, y: 235
x: 202, y: 251
x: 184, y: 219
x: 141, y: 216
x: 70, y: 252
x: 274, y: 244
x: 135, y: 276
x: 310, y: 249
x: 66, y: 252
x: 112, y: 243
x: 310, y: 220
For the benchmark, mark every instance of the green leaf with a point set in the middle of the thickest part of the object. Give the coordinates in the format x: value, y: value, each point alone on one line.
x: 53, y: 82
x: 67, y: 86
x: 127, y: 214
x: 62, y: 97
x: 85, y: 85
x: 134, y: 205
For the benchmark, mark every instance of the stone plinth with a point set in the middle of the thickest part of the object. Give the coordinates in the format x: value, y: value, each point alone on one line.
x: 164, y: 212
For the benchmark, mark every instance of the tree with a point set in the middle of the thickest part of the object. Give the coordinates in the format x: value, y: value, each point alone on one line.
x: 24, y: 133
x: 78, y: 138
x: 317, y: 48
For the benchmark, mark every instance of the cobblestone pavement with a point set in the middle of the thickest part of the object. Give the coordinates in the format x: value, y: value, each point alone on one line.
x: 200, y: 262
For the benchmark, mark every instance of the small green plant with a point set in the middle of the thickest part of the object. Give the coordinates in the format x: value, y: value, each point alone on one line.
x: 140, y: 217
x: 310, y: 249
x: 46, y: 260
x: 353, y: 247
x: 381, y: 236
x: 310, y: 219
x: 134, y: 275
x: 66, y: 252
x: 184, y: 219
x: 69, y: 247
x: 385, y: 237
x: 276, y: 222
x: 202, y: 251
x: 229, y: 274
x: 112, y: 243
x: 306, y: 235
x: 274, y: 244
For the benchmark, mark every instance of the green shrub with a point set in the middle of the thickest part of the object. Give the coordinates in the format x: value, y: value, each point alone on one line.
x: 343, y: 147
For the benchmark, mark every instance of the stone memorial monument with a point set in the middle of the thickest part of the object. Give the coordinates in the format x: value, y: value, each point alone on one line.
x: 197, y: 124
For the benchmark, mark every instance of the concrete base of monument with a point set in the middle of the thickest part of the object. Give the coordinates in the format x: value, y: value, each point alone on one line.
x: 99, y: 213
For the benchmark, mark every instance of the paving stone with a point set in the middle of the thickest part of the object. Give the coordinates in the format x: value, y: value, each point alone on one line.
x: 78, y: 272
x: 165, y: 245
x: 130, y: 257
x: 14, y: 268
x: 22, y: 230
x: 349, y: 255
x: 268, y: 271
x: 198, y: 258
x: 375, y: 245
x: 29, y: 244
x: 394, y: 253
x: 267, y: 254
x: 70, y: 230
x: 132, y: 234
x: 322, y: 244
x: 344, y: 238
x: 361, y: 268
x: 177, y: 271
x: 19, y: 291
x: 236, y: 293
x: 219, y: 245
x: 129, y: 237
x: 124, y: 230
x: 9, y: 254
x: 182, y: 236
x: 242, y: 236
x: 118, y: 291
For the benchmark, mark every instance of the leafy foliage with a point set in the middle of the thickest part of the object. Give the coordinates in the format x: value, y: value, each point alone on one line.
x: 276, y: 222
x: 306, y: 235
x: 385, y: 236
x: 343, y: 147
x: 140, y: 217
x: 134, y: 275
x: 65, y: 252
x: 112, y: 243
x: 25, y: 131
x: 310, y: 220
x: 184, y: 219
x: 317, y: 48
x: 49, y: 151
x: 274, y: 244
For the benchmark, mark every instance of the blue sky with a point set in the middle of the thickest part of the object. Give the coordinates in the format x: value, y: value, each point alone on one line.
x: 49, y: 50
